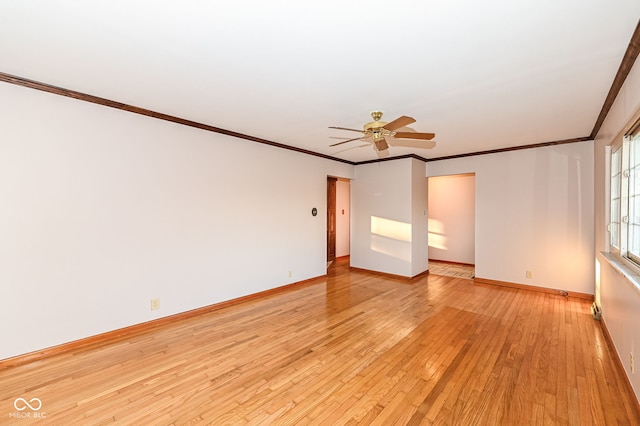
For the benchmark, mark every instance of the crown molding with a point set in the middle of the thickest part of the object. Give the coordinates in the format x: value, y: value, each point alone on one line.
x: 32, y: 84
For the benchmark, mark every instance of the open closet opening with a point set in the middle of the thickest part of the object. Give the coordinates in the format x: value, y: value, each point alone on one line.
x: 451, y: 211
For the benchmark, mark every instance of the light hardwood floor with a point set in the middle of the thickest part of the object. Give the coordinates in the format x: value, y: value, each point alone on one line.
x: 354, y: 348
x: 450, y: 269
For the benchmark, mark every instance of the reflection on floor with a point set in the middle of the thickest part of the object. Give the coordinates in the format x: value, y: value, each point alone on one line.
x: 451, y: 269
x: 436, y: 267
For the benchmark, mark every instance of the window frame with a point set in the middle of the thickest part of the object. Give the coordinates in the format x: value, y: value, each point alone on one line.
x: 626, y: 177
x: 615, y: 197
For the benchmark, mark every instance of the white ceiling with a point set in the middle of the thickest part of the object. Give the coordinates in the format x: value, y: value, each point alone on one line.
x: 481, y: 75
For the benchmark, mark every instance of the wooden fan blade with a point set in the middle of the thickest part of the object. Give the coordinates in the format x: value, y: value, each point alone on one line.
x: 380, y: 144
x: 414, y: 135
x: 399, y: 122
x: 345, y: 128
x: 383, y: 154
x: 350, y: 140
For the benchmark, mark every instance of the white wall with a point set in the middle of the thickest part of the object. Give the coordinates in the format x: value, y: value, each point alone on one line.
x: 619, y: 298
x: 102, y: 210
x: 343, y: 215
x: 381, y: 196
x: 534, y: 212
x: 452, y: 207
x: 419, y: 215
x: 389, y: 221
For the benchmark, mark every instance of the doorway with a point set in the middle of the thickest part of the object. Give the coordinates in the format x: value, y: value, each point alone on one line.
x: 451, y: 210
x: 338, y: 218
x: 331, y: 219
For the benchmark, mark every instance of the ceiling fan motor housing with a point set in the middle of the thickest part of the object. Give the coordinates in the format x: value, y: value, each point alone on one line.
x: 376, y: 123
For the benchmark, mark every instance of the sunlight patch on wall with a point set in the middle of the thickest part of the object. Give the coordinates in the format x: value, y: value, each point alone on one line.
x: 437, y: 237
x: 391, y: 237
x: 400, y: 231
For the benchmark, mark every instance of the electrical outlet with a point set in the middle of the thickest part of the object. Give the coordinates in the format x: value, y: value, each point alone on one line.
x: 529, y: 274
x: 632, y: 367
x: 290, y: 272
x: 155, y: 304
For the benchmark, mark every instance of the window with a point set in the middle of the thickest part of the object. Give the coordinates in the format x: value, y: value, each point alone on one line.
x: 616, y: 173
x: 633, y: 232
x: 624, y: 221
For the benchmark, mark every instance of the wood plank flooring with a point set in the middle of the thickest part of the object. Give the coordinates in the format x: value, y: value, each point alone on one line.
x: 354, y: 348
x: 451, y: 269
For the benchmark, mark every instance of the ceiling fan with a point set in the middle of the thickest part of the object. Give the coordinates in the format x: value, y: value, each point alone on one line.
x: 380, y: 132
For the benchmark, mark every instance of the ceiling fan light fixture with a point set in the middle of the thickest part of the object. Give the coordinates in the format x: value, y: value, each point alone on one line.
x: 378, y: 131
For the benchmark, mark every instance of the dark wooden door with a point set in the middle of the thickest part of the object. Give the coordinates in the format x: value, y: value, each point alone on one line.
x: 331, y: 219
